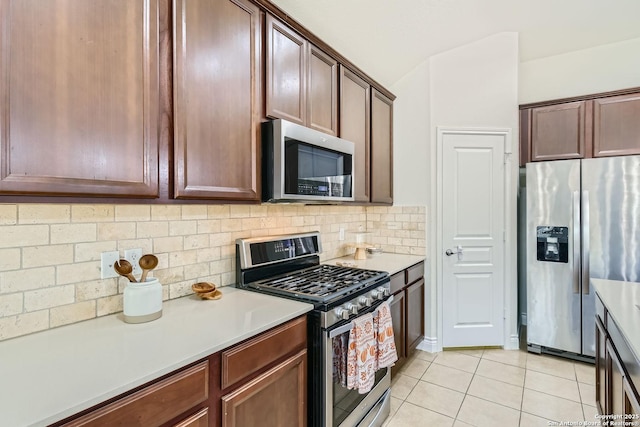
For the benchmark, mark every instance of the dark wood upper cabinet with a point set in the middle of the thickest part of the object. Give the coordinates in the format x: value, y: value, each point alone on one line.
x: 599, y: 125
x: 302, y: 80
x: 217, y: 93
x: 355, y: 119
x: 79, y: 97
x: 616, y: 125
x: 322, y: 91
x: 286, y: 72
x: 558, y: 132
x: 381, y: 148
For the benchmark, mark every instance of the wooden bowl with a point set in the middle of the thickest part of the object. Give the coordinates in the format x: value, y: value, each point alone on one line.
x: 216, y: 294
x: 203, y: 287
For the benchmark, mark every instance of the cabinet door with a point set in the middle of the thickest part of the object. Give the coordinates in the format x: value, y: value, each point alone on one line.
x: 615, y: 382
x: 322, y: 99
x: 616, y: 125
x: 558, y: 132
x: 276, y: 398
x: 381, y: 148
x: 631, y: 403
x: 286, y: 57
x: 601, y: 367
x: 398, y: 316
x: 355, y: 117
x: 79, y: 97
x: 217, y: 102
x: 415, y: 315
x: 199, y: 419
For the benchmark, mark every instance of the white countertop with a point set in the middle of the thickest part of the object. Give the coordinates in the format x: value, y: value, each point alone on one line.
x: 621, y: 299
x: 391, y: 263
x: 50, y: 375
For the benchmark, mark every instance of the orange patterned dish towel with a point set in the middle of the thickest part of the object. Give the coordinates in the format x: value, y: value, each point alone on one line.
x: 361, y: 356
x: 386, y: 354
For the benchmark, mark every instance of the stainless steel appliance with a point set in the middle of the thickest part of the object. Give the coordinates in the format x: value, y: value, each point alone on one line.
x: 304, y: 165
x: 582, y: 222
x: 289, y: 266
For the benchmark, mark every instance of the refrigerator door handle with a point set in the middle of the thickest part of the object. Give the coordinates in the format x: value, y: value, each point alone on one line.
x: 585, y: 242
x: 576, y: 241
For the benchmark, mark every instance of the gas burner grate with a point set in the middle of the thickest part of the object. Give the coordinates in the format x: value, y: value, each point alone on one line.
x: 320, y: 283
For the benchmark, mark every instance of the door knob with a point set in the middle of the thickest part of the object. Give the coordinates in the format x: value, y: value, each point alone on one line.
x: 457, y: 251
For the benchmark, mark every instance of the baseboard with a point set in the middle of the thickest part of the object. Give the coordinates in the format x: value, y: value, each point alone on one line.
x: 430, y: 345
x: 513, y: 343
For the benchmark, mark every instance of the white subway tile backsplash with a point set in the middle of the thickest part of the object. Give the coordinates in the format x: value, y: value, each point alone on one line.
x: 9, y: 259
x: 73, y: 233
x: 10, y: 304
x: 27, y: 279
x: 116, y: 231
x: 23, y: 324
x: 44, y: 214
x: 126, y: 213
x: 40, y: 299
x: 8, y: 214
x: 92, y: 213
x: 50, y: 254
x: 40, y: 256
x: 17, y: 236
x: 72, y: 313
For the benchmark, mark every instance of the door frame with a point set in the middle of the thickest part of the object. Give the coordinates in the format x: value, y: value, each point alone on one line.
x: 511, y: 340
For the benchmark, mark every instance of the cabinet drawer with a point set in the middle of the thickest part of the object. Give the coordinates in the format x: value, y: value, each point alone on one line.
x: 255, y: 354
x: 156, y: 404
x: 415, y: 272
x: 397, y: 282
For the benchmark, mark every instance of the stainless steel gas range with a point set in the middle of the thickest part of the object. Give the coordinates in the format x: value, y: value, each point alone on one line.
x: 289, y: 266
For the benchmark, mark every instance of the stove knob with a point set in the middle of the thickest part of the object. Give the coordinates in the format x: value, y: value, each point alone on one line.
x: 384, y: 291
x: 341, y: 312
x: 376, y: 294
x: 364, y: 301
x: 352, y: 308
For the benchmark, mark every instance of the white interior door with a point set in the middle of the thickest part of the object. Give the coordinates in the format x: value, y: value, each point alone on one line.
x: 472, y: 224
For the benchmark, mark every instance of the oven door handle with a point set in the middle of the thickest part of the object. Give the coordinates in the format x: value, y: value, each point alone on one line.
x: 345, y: 328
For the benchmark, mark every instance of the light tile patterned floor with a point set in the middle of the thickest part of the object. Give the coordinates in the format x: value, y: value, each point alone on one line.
x: 491, y: 388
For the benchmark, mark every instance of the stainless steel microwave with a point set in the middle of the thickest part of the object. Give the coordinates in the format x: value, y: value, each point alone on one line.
x: 304, y: 165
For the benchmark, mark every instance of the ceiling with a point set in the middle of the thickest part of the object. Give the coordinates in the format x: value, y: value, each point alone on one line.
x: 389, y: 38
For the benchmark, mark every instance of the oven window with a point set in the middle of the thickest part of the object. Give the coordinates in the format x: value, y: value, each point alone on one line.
x: 313, y: 170
x: 345, y: 400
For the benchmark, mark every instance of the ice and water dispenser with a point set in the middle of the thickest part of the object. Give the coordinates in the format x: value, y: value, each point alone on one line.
x: 553, y: 243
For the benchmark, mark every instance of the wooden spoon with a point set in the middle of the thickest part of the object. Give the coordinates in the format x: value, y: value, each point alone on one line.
x: 147, y: 263
x: 124, y: 268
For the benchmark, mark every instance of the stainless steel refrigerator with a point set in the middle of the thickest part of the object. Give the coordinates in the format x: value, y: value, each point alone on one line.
x: 583, y: 221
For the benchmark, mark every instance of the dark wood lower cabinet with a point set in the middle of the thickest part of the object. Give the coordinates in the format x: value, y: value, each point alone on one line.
x: 200, y: 419
x: 601, y: 367
x: 407, y: 312
x: 276, y: 398
x: 615, y: 390
x: 259, y: 382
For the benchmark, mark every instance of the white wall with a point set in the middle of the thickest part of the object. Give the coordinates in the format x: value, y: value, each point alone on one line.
x: 583, y: 72
x: 411, y: 138
x: 476, y: 85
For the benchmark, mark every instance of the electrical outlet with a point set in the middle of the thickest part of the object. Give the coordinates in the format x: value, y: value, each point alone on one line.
x: 341, y: 234
x: 106, y: 268
x: 133, y: 256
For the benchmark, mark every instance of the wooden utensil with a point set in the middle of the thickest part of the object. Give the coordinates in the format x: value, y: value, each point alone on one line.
x: 147, y: 263
x: 124, y: 268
